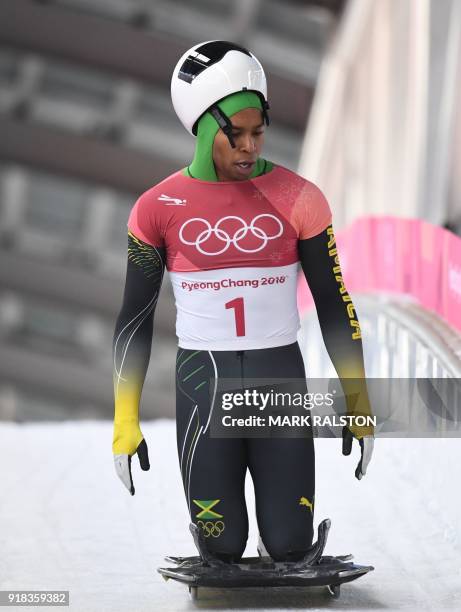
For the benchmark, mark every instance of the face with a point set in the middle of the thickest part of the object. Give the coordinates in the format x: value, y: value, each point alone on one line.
x: 248, y: 133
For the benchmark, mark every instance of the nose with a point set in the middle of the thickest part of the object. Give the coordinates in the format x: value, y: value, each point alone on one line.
x: 248, y: 143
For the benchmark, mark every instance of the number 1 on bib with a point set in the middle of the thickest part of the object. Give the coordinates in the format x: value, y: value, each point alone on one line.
x: 239, y: 311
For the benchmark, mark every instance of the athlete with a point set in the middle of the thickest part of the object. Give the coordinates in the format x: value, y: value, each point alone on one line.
x: 232, y: 228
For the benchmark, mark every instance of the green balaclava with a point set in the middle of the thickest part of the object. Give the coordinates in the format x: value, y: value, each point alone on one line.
x: 202, y: 166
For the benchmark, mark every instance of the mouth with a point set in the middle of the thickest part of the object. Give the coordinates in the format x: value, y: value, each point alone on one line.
x: 245, y: 166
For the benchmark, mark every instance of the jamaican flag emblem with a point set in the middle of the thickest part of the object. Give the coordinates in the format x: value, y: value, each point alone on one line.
x: 206, y: 506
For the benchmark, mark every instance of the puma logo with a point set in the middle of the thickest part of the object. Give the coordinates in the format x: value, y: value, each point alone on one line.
x: 305, y: 502
x: 169, y: 201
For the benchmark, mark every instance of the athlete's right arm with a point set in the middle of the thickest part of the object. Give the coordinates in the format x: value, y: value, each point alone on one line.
x: 131, y: 352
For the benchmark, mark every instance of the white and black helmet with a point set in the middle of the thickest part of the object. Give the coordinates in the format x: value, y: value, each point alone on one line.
x: 210, y: 71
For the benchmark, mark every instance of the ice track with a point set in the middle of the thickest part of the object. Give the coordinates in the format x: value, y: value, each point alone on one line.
x: 66, y: 522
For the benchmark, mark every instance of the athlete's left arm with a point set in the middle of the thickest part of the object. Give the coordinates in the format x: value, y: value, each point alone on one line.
x: 341, y: 333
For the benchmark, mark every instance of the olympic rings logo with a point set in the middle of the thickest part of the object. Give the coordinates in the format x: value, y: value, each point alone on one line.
x: 224, y: 236
x: 213, y: 528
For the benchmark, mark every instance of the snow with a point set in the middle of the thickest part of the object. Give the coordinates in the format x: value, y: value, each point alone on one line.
x: 66, y: 522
